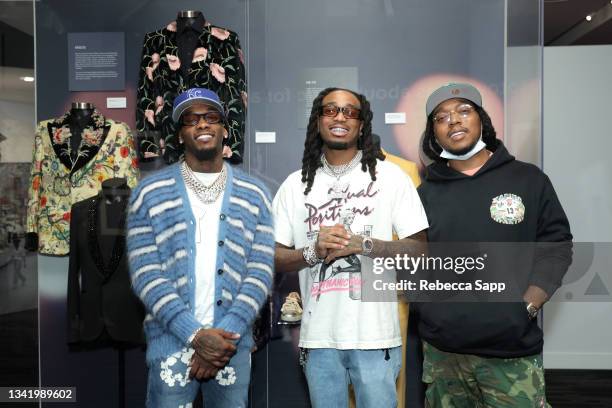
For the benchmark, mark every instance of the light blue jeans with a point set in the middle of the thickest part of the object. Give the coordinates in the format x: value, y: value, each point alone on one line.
x: 329, y: 371
x: 169, y: 385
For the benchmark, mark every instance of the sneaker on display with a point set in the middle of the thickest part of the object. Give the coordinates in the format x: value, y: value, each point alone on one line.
x: 291, y: 311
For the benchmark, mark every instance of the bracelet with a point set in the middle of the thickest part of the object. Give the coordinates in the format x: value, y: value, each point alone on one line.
x: 193, y: 336
x: 310, y: 255
x: 195, y: 333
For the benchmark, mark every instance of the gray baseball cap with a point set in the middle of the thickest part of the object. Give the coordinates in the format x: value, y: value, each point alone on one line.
x: 450, y: 91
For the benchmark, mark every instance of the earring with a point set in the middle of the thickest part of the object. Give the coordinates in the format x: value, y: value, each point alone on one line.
x: 180, y: 140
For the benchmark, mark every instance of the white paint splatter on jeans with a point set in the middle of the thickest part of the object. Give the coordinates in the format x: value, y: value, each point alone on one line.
x: 179, y: 378
x: 171, y: 375
x: 227, y: 376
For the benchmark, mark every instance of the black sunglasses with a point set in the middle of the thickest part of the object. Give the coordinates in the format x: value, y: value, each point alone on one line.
x: 192, y: 119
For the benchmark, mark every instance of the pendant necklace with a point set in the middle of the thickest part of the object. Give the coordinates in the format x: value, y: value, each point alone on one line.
x: 339, y: 189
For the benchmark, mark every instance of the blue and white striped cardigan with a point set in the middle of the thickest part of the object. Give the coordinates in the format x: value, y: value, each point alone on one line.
x: 161, y: 254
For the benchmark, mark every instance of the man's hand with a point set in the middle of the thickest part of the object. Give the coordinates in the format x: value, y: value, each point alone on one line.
x: 536, y: 296
x: 216, y: 346
x: 331, y: 238
x: 353, y: 247
x: 201, y: 369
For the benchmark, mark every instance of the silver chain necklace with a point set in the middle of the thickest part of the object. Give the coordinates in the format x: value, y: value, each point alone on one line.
x: 206, y: 194
x: 340, y: 170
x: 339, y: 190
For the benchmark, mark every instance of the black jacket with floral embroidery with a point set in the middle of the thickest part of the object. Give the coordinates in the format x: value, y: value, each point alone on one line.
x: 218, y: 64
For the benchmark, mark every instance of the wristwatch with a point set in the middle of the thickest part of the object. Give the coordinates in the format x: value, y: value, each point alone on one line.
x: 367, y: 245
x: 532, y: 311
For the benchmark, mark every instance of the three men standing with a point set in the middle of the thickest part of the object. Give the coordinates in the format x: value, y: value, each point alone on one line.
x: 201, y: 252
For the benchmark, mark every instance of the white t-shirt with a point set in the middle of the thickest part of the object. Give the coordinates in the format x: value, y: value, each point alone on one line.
x: 389, y: 204
x: 206, y: 232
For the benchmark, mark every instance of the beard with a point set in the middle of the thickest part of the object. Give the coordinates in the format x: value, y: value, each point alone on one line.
x: 207, y: 154
x: 336, y: 145
x: 461, y: 152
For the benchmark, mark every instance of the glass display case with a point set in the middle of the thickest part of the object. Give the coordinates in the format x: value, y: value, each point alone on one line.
x: 393, y: 52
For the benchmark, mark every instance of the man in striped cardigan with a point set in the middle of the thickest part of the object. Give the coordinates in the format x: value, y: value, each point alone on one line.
x: 201, y: 248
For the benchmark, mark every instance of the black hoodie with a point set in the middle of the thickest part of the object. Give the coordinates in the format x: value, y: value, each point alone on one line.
x: 459, y: 209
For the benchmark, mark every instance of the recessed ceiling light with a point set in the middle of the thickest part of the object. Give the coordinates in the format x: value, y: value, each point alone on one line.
x: 27, y: 78
x: 589, y: 18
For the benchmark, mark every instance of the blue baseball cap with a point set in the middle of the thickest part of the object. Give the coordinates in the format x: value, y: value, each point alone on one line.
x: 450, y: 91
x: 192, y: 96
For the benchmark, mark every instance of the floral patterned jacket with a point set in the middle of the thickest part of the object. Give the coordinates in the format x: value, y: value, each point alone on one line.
x: 218, y: 64
x: 59, y: 179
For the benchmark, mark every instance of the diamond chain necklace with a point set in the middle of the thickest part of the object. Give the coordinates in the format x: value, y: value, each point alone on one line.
x: 340, y: 170
x: 206, y: 194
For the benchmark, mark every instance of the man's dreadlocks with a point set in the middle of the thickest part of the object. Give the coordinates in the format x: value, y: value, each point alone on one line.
x: 313, y: 146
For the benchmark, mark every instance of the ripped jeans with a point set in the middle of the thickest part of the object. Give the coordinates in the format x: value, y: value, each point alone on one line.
x: 372, y: 372
x: 169, y: 385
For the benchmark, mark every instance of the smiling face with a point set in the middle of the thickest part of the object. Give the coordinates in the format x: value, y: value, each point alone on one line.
x: 460, y: 131
x: 203, y: 141
x: 339, y: 132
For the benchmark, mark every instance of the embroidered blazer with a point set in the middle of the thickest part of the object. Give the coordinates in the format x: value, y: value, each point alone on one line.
x: 217, y: 64
x: 59, y: 179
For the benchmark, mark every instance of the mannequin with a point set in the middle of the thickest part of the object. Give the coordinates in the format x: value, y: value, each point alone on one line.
x: 80, y: 117
x: 197, y: 54
x: 189, y: 25
x: 73, y: 154
x: 115, y: 189
x: 103, y: 311
x: 116, y: 194
x: 188, y: 14
x: 189, y: 18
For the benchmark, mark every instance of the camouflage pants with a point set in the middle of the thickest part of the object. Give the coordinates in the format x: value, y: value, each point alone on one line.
x: 468, y: 381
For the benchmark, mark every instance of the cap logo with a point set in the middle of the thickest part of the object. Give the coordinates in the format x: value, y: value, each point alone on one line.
x: 194, y: 93
x: 455, y: 91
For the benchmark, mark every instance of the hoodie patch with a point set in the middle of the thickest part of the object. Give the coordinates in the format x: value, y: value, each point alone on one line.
x: 507, y: 209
